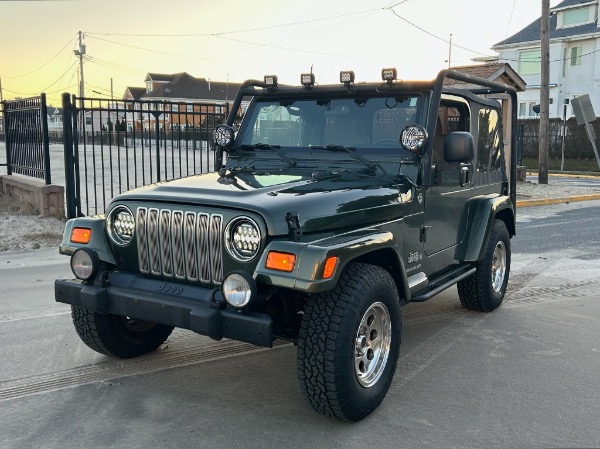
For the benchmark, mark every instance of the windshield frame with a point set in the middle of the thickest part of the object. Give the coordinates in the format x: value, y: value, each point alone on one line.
x: 391, y: 98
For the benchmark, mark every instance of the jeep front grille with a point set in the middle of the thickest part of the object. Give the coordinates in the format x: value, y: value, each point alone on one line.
x: 183, y: 245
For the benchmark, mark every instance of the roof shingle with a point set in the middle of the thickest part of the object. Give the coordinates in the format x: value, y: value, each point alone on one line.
x: 531, y: 33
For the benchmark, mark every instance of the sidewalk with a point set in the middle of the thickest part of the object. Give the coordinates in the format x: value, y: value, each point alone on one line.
x: 534, y: 194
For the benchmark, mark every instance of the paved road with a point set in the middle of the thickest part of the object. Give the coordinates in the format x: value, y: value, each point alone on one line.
x: 523, y: 376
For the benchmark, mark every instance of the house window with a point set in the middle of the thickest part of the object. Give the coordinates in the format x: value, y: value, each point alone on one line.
x: 530, y: 62
x: 575, y: 16
x: 576, y: 53
x: 148, y: 87
x: 190, y: 108
x: 88, y: 120
x: 531, y: 112
x: 522, y: 109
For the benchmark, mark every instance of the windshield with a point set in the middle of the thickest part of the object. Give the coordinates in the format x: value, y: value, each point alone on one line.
x: 369, y: 123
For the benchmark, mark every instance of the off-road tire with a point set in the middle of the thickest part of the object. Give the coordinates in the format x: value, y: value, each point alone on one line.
x: 327, y: 360
x: 477, y: 292
x: 117, y: 336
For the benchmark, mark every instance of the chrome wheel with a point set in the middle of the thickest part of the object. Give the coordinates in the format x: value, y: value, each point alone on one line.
x: 498, y: 266
x: 372, y: 344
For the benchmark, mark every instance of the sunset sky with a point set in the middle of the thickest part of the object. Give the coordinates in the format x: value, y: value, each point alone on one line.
x: 235, y: 40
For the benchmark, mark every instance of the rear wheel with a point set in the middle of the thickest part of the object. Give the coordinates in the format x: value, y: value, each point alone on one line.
x: 484, y: 291
x: 349, y: 342
x: 118, y: 336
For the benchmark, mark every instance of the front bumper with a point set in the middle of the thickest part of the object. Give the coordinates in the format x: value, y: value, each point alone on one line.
x: 168, y: 303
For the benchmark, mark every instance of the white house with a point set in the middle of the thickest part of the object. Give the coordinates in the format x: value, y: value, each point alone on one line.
x: 574, y: 57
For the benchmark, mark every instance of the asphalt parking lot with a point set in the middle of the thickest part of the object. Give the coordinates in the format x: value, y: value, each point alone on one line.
x: 522, y: 376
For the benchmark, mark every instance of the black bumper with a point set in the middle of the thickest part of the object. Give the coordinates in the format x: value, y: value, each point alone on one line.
x: 167, y: 303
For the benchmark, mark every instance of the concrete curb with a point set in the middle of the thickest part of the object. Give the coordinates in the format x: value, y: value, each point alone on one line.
x: 586, y: 175
x: 568, y: 199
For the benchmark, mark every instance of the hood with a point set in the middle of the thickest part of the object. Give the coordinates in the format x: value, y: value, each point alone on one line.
x: 323, y: 202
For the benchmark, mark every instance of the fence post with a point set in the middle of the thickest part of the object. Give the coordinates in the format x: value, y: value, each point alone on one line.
x: 45, y: 139
x: 156, y: 115
x: 68, y: 155
x: 7, y: 141
x: 521, y: 143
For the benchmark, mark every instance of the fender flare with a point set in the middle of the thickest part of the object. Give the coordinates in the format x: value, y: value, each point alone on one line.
x: 310, y: 261
x: 98, y: 241
x: 478, y: 222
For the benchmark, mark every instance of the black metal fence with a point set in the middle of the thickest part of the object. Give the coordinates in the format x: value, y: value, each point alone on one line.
x: 577, y: 144
x: 25, y: 128
x: 114, y: 146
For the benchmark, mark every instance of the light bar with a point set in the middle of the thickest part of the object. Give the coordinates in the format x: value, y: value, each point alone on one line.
x: 347, y: 77
x: 389, y: 75
x: 307, y: 80
x: 271, y: 81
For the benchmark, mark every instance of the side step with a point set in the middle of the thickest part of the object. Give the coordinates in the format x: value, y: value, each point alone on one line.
x: 445, y: 281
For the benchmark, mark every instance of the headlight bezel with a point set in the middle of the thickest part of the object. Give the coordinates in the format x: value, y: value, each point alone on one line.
x: 242, y: 254
x: 111, y: 219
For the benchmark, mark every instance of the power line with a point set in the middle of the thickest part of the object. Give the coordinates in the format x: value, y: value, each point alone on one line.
x: 142, y: 48
x: 113, y: 65
x: 434, y: 35
x: 237, y: 31
x: 43, y: 65
x: 283, y: 48
x: 42, y: 90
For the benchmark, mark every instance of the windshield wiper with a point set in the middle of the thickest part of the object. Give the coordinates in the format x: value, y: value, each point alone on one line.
x: 351, y: 151
x: 273, y: 148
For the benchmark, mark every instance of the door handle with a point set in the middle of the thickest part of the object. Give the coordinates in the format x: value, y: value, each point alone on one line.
x: 464, y: 177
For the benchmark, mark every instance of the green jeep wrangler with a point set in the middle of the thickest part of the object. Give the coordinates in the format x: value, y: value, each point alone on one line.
x: 333, y: 206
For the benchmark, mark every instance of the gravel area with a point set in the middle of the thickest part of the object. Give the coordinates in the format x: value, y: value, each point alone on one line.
x: 21, y: 230
x: 529, y: 190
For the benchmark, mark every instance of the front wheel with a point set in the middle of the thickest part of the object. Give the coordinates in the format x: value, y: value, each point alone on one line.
x: 118, y: 336
x: 349, y: 342
x: 484, y: 291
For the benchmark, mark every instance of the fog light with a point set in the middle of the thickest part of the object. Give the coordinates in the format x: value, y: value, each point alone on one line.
x: 271, y: 82
x: 413, y: 138
x: 347, y: 77
x: 238, y: 289
x: 307, y: 80
x: 84, y: 264
x: 389, y: 75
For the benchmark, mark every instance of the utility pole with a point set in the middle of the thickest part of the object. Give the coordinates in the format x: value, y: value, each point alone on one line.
x: 80, y: 53
x: 544, y: 93
x: 450, y: 51
x: 1, y: 99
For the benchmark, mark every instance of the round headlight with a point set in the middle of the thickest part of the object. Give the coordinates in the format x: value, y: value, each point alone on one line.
x: 243, y: 239
x: 121, y: 225
x: 238, y: 289
x: 413, y: 138
x: 84, y: 264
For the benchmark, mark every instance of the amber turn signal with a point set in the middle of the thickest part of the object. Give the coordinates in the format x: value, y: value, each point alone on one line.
x: 81, y: 235
x: 281, y: 261
x: 330, y: 265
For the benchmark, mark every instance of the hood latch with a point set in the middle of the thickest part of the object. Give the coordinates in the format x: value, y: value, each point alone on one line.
x: 293, y: 221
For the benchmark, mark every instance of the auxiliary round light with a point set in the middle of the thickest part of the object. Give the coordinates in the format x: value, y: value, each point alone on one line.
x: 121, y: 225
x: 243, y: 239
x: 238, y: 289
x: 223, y: 136
x: 413, y: 138
x: 84, y: 264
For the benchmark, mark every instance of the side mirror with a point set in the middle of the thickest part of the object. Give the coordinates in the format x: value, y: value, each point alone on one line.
x: 223, y: 136
x: 458, y: 147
